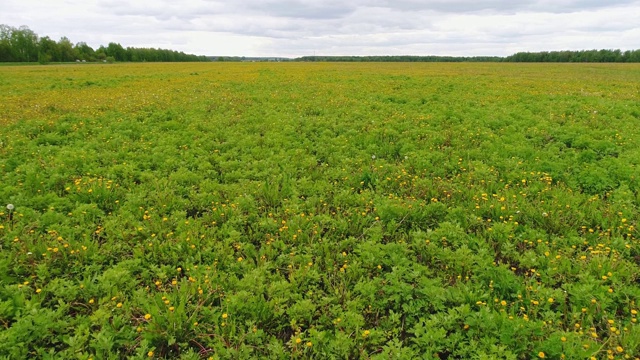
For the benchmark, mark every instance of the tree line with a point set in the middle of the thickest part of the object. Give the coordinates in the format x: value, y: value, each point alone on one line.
x: 401, y: 58
x: 23, y: 45
x: 594, y: 56
x: 591, y: 56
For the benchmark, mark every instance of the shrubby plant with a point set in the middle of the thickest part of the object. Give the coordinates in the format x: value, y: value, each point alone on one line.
x: 319, y: 211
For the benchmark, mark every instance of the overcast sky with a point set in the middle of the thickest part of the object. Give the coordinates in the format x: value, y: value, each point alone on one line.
x: 293, y: 28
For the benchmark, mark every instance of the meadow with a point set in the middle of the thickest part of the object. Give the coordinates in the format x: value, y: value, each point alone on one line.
x: 320, y: 210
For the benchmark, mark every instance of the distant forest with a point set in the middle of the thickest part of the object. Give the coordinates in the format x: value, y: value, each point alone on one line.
x: 23, y: 45
x: 591, y: 56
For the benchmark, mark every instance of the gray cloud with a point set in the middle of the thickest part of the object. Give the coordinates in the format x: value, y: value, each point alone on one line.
x: 304, y: 9
x: 499, y: 6
x: 336, y: 27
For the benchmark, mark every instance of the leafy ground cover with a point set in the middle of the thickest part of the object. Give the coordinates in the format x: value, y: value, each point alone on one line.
x: 460, y: 211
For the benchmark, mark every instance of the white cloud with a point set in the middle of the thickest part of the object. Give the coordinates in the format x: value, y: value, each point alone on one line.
x: 336, y: 27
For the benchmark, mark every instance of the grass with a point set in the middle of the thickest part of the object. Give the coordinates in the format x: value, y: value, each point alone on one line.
x: 319, y: 210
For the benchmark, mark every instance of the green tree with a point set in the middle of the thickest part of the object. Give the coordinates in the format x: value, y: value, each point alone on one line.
x: 85, y: 52
x: 24, y: 44
x: 5, y: 43
x: 48, y: 50
x: 116, y: 51
x: 67, y: 53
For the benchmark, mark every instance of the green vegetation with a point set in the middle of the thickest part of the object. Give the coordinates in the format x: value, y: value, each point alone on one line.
x: 23, y: 45
x: 402, y: 58
x: 319, y: 210
x: 598, y: 56
x: 583, y: 56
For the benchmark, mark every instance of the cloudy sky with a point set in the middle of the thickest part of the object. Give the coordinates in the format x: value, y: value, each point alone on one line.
x: 293, y: 28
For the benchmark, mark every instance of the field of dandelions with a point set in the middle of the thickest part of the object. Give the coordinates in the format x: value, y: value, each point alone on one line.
x: 320, y: 210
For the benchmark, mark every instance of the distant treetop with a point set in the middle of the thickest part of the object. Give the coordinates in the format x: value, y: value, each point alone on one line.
x: 545, y: 56
x: 23, y: 45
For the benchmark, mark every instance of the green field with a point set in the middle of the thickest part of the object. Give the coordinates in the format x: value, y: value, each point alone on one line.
x: 320, y: 210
